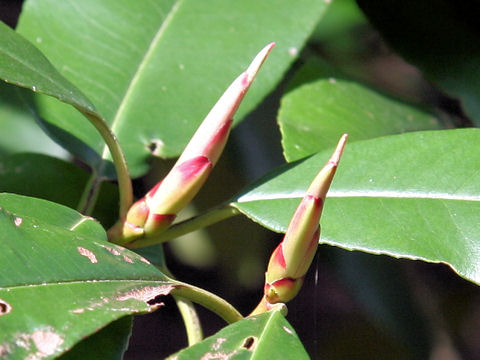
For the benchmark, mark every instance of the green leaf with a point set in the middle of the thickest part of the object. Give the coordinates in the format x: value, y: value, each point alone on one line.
x: 55, y: 180
x: 60, y: 281
x: 313, y: 117
x: 442, y: 40
x: 24, y: 65
x: 338, y: 32
x: 109, y: 343
x: 414, y: 195
x: 266, y: 336
x: 155, y: 68
x: 18, y: 130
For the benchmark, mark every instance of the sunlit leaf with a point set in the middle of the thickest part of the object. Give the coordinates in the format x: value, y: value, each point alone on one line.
x: 60, y: 280
x: 414, y: 195
x: 314, y: 116
x: 266, y: 336
x: 155, y: 68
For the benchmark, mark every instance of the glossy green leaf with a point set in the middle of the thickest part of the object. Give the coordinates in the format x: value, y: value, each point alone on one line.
x: 55, y: 180
x: 266, y: 336
x: 313, y: 117
x: 60, y: 281
x: 414, y: 195
x: 440, y: 37
x: 23, y: 65
x: 155, y: 68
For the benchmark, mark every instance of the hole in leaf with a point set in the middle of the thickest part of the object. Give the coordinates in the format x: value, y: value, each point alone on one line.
x: 156, y: 300
x: 249, y: 343
x: 156, y: 147
x: 5, y: 307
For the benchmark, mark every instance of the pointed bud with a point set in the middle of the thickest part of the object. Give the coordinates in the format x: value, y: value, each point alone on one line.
x: 157, y: 210
x: 291, y: 259
x: 211, y: 137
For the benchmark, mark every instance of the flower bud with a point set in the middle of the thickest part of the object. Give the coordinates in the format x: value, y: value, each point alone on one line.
x: 157, y: 210
x: 291, y: 259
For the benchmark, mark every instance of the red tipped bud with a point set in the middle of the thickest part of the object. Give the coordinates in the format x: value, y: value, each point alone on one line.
x: 291, y: 259
x: 282, y: 290
x: 180, y: 186
x: 158, y: 209
x: 211, y: 137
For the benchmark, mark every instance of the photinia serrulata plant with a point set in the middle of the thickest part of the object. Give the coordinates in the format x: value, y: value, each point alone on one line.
x: 99, y: 98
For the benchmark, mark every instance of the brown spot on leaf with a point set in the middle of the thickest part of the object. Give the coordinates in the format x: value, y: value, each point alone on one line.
x: 5, y: 307
x: 142, y: 259
x: 87, y: 253
x: 17, y: 221
x: 46, y: 341
x: 218, y: 356
x: 216, y: 345
x: 249, y: 343
x: 111, y: 250
x: 127, y: 259
x: 4, y: 350
x: 148, y: 294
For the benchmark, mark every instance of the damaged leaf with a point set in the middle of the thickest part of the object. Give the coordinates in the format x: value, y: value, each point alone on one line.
x: 60, y: 281
x: 266, y: 336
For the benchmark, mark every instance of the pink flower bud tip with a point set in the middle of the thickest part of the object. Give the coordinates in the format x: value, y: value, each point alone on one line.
x: 211, y: 136
x: 291, y: 259
x: 320, y: 185
x: 158, y: 209
x: 257, y: 63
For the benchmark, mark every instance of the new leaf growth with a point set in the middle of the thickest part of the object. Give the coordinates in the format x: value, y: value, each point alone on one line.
x: 156, y: 211
x: 291, y: 259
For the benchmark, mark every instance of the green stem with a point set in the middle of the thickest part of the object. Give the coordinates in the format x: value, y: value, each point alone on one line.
x: 187, y: 311
x: 213, y: 216
x: 190, y: 319
x: 90, y: 195
x: 207, y: 299
x: 123, y: 177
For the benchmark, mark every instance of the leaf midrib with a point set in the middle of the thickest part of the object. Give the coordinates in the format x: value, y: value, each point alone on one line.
x: 385, y: 194
x: 265, y: 330
x: 141, y: 65
x: 75, y: 282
